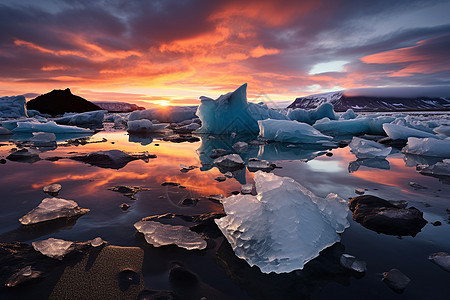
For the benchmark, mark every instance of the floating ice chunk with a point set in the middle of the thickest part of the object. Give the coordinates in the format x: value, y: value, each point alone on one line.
x: 240, y: 146
x: 25, y: 155
x: 442, y: 259
x: 22, y: 275
x: 51, y: 209
x: 368, y: 149
x: 5, y: 131
x: 350, y: 262
x: 50, y: 126
x: 284, y: 226
x: 43, y: 139
x: 438, y: 169
x: 443, y: 129
x: 158, y: 235
x: 90, y: 117
x: 428, y: 147
x: 13, y: 107
x: 53, y: 248
x: 399, y: 132
x: 230, y: 161
x: 255, y: 164
x: 187, y: 128
x: 144, y: 125
x: 290, y: 132
x: 349, y: 114
x: 311, y: 116
x: 98, y: 241
x: 169, y: 114
x: 377, y: 163
x: 247, y: 188
x: 343, y: 127
x: 52, y: 189
x: 232, y: 113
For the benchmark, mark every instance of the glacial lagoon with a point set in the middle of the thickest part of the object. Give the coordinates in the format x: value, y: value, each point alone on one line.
x: 218, y: 273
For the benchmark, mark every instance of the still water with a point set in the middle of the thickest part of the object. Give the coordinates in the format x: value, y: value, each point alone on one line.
x: 223, y: 275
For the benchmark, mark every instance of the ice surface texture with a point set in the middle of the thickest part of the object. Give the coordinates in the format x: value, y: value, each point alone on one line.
x: 169, y: 114
x: 369, y: 124
x: 158, y: 235
x: 232, y: 113
x: 53, y: 248
x: 428, y: 147
x: 284, y: 226
x: 399, y: 132
x: 52, y: 208
x: 286, y: 131
x: 13, y: 107
x: 43, y: 139
x: 90, y: 117
x: 368, y: 149
x: 50, y: 126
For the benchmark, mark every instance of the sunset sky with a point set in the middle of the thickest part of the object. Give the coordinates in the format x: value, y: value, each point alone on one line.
x: 172, y: 50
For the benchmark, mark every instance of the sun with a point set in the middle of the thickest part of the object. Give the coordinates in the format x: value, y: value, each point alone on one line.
x: 164, y: 102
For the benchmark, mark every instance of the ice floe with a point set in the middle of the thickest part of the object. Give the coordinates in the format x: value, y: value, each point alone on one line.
x: 51, y: 209
x: 53, y: 248
x: 310, y: 116
x: 168, y: 114
x: 50, y: 126
x: 13, y: 107
x: 399, y: 132
x: 144, y: 125
x: 286, y: 131
x: 229, y: 162
x: 90, y: 117
x: 284, y: 226
x: 158, y: 235
x: 428, y: 147
x: 368, y: 149
x: 43, y: 139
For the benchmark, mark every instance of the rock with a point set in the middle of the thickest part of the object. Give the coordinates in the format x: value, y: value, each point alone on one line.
x: 181, y: 138
x: 2, y: 161
x: 24, y: 274
x: 229, y: 162
x: 189, y: 202
x: 350, y: 262
x: 220, y: 178
x: 185, y: 169
x: 24, y: 155
x: 437, y: 223
x: 329, y: 154
x: 5, y: 131
x: 416, y: 186
x: 158, y: 235
x: 228, y: 174
x: 215, y: 153
x: 156, y: 295
x: 127, y: 278
x: 112, y: 159
x: 240, y: 146
x: 180, y: 276
x: 255, y: 164
x: 360, y: 191
x: 51, y: 209
x: 442, y: 259
x: 53, y: 248
x: 128, y: 191
x: 124, y: 206
x: 52, y: 189
x: 58, y: 102
x: 396, y: 280
x: 384, y: 217
x: 170, y: 184
x: 216, y: 198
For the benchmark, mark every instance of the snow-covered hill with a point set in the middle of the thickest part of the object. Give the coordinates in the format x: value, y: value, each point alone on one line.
x: 389, y: 99
x: 118, y: 106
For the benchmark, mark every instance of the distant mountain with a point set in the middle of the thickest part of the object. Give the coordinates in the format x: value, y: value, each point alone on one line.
x: 343, y: 100
x: 118, y: 106
x: 58, y: 102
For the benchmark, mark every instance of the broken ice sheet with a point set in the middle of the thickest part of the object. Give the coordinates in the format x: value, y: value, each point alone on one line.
x: 368, y: 149
x: 158, y: 235
x: 53, y: 248
x: 284, y: 226
x: 52, y: 208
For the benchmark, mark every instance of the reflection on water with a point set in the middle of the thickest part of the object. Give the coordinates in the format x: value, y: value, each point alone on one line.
x: 21, y: 189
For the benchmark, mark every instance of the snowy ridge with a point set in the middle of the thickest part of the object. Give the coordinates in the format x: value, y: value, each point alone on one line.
x: 118, y: 106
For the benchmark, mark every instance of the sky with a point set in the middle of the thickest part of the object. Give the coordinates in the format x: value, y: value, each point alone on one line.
x: 174, y: 51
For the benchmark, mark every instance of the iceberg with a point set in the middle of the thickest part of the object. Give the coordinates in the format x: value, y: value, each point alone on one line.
x: 439, y: 169
x: 90, y: 117
x: 229, y: 162
x: 376, y: 162
x: 311, y: 116
x: 284, y: 226
x: 348, y: 115
x: 443, y: 129
x: 428, y: 147
x: 232, y: 113
x: 359, y: 126
x: 13, y: 107
x: 287, y: 131
x: 144, y: 125
x: 50, y: 126
x: 399, y: 132
x: 368, y: 149
x: 53, y: 248
x: 158, y: 235
x: 51, y: 209
x: 168, y: 114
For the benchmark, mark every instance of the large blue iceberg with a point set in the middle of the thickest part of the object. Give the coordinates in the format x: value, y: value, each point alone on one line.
x: 232, y: 113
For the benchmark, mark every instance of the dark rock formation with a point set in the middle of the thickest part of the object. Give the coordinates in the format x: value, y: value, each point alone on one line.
x: 385, y: 216
x: 58, y: 102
